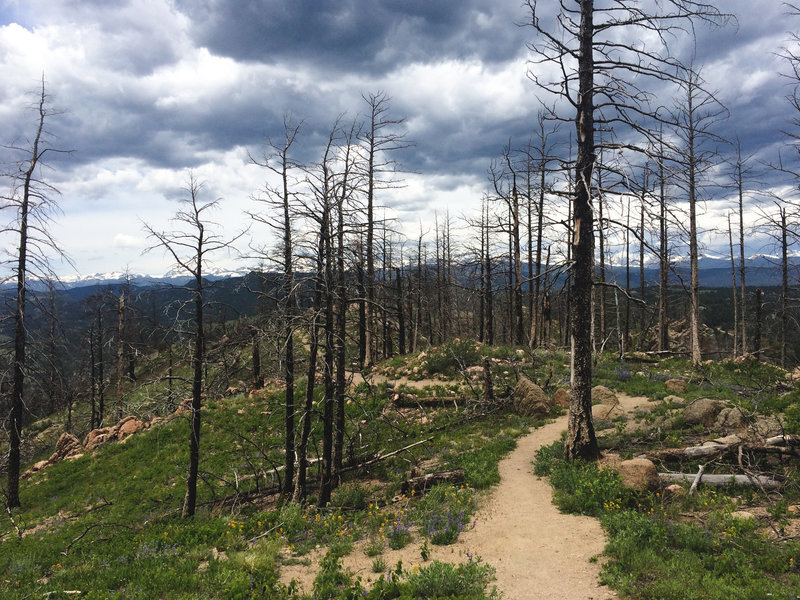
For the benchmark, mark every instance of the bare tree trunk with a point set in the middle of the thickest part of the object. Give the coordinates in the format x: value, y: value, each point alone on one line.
x: 784, y: 286
x: 694, y: 276
x: 581, y: 441
x: 663, y: 259
x: 120, y: 351
x: 757, y: 333
x: 742, y: 269
x: 190, y: 501
x: 401, y: 321
x: 735, y: 291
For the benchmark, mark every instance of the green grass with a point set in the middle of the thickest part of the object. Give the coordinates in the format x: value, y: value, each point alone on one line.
x: 655, y: 552
x: 108, y: 524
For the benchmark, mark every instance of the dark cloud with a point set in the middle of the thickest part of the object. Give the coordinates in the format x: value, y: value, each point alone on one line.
x: 354, y: 35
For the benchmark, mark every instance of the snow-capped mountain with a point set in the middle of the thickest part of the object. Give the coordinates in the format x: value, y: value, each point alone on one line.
x: 176, y: 275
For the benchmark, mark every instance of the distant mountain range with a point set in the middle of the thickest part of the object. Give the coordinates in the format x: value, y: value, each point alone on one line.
x: 175, y: 276
x: 715, y: 271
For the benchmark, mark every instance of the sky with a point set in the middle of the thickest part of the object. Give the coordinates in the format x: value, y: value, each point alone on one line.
x: 147, y: 91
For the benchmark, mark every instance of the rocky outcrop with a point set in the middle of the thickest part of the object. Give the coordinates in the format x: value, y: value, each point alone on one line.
x: 68, y: 447
x: 120, y: 432
x: 96, y: 438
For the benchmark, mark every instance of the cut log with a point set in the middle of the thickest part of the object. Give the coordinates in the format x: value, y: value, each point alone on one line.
x: 760, y: 481
x: 421, y: 484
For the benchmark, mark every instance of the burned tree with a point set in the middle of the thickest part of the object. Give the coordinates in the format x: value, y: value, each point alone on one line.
x: 595, y: 74
x: 189, y: 245
x: 31, y: 202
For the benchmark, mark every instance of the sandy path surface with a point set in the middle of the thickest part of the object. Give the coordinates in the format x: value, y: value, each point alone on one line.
x: 538, y: 552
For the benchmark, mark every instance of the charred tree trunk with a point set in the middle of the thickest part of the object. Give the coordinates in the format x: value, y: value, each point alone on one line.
x: 581, y: 441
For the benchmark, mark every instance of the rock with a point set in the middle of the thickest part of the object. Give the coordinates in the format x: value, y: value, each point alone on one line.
x: 127, y: 427
x: 66, y: 446
x: 217, y: 555
x: 639, y: 473
x: 603, y: 412
x: 767, y: 426
x: 561, y: 397
x: 674, y: 490
x: 602, y: 395
x: 96, y: 438
x: 184, y: 407
x: 474, y: 372
x: 671, y: 399
x: 40, y: 465
x: 742, y: 515
x: 530, y: 400
x: 729, y: 418
x: 702, y: 411
x: 675, y: 386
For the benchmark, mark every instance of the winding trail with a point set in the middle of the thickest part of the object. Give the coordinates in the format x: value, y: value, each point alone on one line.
x: 538, y: 552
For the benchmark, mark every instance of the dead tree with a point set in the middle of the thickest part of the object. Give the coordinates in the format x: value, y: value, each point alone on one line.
x: 279, y: 199
x: 31, y: 202
x: 189, y: 245
x: 595, y: 78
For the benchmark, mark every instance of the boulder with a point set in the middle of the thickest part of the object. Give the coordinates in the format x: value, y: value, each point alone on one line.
x: 639, y: 473
x: 474, y: 372
x: 602, y: 395
x: 767, y: 426
x: 66, y: 446
x: 742, y: 515
x: 40, y: 465
x: 96, y: 438
x: 184, y: 407
x: 729, y: 418
x: 604, y: 412
x: 561, y: 397
x: 672, y: 399
x: 127, y: 427
x: 674, y: 490
x: 703, y: 411
x: 675, y: 386
x: 530, y: 400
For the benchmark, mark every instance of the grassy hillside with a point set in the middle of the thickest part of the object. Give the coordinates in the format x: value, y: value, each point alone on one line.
x: 108, y: 524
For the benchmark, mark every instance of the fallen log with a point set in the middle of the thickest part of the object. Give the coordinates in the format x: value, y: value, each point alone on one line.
x: 714, y: 449
x: 403, y: 401
x: 760, y: 481
x: 421, y: 484
x: 371, y: 461
x: 783, y: 440
x: 690, y: 452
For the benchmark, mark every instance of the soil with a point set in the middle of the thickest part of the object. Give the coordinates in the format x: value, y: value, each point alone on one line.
x: 538, y: 552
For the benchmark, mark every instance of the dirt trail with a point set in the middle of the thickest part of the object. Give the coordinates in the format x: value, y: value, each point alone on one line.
x: 538, y: 552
